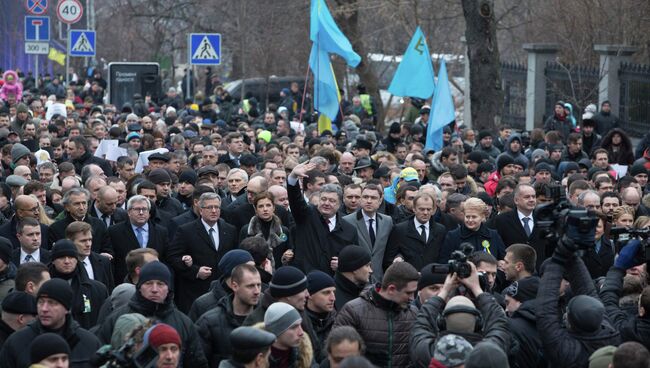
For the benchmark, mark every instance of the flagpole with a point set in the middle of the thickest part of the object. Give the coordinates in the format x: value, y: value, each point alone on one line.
x: 304, y: 91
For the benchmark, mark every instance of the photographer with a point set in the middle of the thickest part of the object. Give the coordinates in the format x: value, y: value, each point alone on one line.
x: 586, y: 329
x: 631, y: 327
x: 483, y: 320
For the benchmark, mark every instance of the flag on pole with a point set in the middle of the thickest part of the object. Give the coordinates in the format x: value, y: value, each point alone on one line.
x: 414, y: 76
x: 327, y: 34
x: 442, y: 110
x: 326, y: 90
x: 56, y: 56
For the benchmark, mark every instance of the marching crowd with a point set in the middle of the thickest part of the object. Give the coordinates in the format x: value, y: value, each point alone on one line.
x: 226, y: 236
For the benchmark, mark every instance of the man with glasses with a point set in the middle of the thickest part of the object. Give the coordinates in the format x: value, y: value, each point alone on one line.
x: 26, y: 207
x: 197, y: 248
x: 137, y: 232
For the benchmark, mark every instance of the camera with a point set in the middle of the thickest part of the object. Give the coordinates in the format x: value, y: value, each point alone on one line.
x: 621, y: 235
x: 457, y: 262
x: 125, y: 356
x: 559, y: 218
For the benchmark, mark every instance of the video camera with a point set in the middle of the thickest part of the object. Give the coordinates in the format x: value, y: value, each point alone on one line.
x: 559, y: 218
x: 621, y: 235
x: 459, y: 265
x: 124, y: 357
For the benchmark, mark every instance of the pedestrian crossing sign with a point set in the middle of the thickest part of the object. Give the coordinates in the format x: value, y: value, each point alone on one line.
x: 81, y: 43
x: 205, y: 49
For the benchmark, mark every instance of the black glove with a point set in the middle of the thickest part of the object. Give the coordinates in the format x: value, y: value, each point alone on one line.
x: 564, y: 251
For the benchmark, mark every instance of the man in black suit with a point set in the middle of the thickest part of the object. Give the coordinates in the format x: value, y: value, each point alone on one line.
x: 417, y: 240
x: 518, y: 226
x: 137, y: 232
x: 197, y: 248
x: 75, y: 203
x: 191, y: 214
x: 26, y: 207
x: 235, y: 143
x: 96, y: 266
x: 105, y: 207
x: 28, y: 233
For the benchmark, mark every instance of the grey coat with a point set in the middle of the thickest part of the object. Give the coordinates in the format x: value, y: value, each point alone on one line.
x: 383, y: 227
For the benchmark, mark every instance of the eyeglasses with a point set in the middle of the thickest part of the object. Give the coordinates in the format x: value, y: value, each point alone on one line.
x: 139, y: 209
x: 33, y: 209
x: 211, y: 208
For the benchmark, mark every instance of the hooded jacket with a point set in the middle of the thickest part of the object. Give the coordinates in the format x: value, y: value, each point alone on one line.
x: 517, y: 156
x: 165, y: 312
x: 14, y: 88
x: 207, y: 301
x: 561, y: 346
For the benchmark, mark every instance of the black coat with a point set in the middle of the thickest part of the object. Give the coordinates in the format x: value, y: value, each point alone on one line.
x: 240, y: 212
x: 192, y: 239
x: 170, y: 205
x: 209, y: 300
x: 455, y: 238
x: 561, y: 347
x: 322, y: 325
x: 182, y: 219
x: 120, y: 215
x: 87, y: 159
x: 192, y: 353
x: 315, y: 244
x: 57, y: 231
x: 214, y: 329
x: 512, y: 231
x: 599, y: 263
x: 631, y: 327
x: 45, y: 256
x: 83, y: 344
x: 5, y: 332
x: 406, y: 241
x: 225, y: 159
x: 8, y: 230
x: 120, y: 240
x: 103, y: 270
x: 523, y: 327
x: 346, y: 290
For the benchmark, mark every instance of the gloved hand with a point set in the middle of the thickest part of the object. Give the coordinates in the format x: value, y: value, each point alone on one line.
x: 626, y: 258
x: 564, y: 251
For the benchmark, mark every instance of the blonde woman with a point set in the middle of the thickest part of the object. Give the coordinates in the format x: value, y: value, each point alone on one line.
x: 474, y: 231
x: 623, y: 216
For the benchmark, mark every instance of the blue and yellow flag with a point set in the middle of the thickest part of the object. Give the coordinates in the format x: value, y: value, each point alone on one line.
x: 442, y: 110
x: 414, y: 76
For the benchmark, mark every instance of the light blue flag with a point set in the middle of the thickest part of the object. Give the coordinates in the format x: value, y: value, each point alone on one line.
x: 414, y: 76
x: 442, y: 110
x: 326, y: 90
x: 327, y: 34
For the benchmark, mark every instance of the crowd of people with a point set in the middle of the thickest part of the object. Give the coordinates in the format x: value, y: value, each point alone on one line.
x: 225, y: 236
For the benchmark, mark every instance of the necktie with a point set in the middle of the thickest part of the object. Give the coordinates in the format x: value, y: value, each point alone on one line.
x: 138, y: 234
x: 29, y: 258
x: 211, y: 233
x: 371, y: 232
x: 423, y: 233
x: 106, y: 220
x: 526, y: 226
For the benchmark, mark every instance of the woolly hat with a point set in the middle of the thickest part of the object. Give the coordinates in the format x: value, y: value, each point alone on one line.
x: 279, y: 317
x: 132, y: 135
x: 19, y: 302
x: 232, y: 259
x: 264, y: 135
x: 287, y: 281
x: 5, y: 250
x: 21, y: 108
x: 458, y: 316
x: 161, y: 334
x: 484, y: 134
x: 317, y: 281
x: 538, y: 153
x: 504, y: 160
x: 487, y: 354
x: 638, y: 168
x: 18, y: 151
x: 64, y: 248
x: 429, y: 275
x: 395, y: 128
x: 187, y: 176
x: 46, y: 345
x: 353, y: 257
x: 57, y: 289
x: 524, y: 289
x: 452, y: 350
x: 159, y: 176
x: 155, y: 270
x: 603, y: 357
x: 477, y: 156
x: 585, y: 313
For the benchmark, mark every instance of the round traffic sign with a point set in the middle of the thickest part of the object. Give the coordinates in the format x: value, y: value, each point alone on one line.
x: 36, y: 7
x: 69, y: 11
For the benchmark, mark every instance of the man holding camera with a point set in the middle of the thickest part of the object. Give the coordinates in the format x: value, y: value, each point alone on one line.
x: 483, y: 320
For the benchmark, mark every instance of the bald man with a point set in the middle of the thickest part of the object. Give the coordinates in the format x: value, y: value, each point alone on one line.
x: 105, y: 207
x: 26, y: 206
x: 280, y: 196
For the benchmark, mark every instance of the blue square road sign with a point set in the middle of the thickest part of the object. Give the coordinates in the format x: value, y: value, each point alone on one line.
x: 81, y: 43
x: 205, y: 49
x: 37, y: 28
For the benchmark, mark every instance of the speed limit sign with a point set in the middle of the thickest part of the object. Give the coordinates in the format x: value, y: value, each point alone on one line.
x: 69, y: 11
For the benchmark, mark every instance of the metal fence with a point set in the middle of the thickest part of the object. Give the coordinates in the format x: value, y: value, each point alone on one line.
x: 635, y: 98
x: 513, y: 77
x: 577, y: 85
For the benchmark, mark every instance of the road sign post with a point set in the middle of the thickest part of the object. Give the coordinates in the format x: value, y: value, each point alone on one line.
x: 203, y: 49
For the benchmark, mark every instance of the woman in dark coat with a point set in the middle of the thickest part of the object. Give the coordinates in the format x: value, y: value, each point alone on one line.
x: 619, y: 147
x: 475, y: 232
x: 266, y: 225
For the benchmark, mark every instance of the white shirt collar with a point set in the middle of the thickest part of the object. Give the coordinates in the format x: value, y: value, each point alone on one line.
x: 418, y: 223
x: 208, y: 227
x: 366, y: 217
x: 521, y: 216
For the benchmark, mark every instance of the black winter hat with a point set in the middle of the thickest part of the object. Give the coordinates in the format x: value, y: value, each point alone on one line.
x: 395, y: 128
x: 159, y: 176
x: 477, y: 156
x: 483, y: 134
x: 187, y: 176
x: 5, y: 250
x: 19, y: 302
x: 317, y: 281
x: 352, y: 258
x: 504, y: 160
x: 638, y: 168
x: 484, y: 167
x: 46, y: 345
x: 64, y: 248
x: 585, y: 313
x: 428, y: 277
x: 155, y: 270
x: 287, y: 281
x: 57, y: 289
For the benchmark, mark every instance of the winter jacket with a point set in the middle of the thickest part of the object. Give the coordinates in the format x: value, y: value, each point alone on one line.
x: 299, y: 357
x: 87, y: 159
x: 165, y: 312
x: 7, y: 282
x: 425, y: 332
x: 605, y: 122
x: 209, y: 300
x: 14, y: 88
x: 561, y: 125
x: 83, y: 344
x: 346, y: 290
x: 563, y: 347
x: 384, y: 326
x: 88, y: 296
x: 492, y: 152
x: 523, y: 327
x: 631, y: 327
x: 575, y: 157
x: 517, y: 156
x: 491, y: 184
x: 482, y: 239
x: 214, y: 328
x: 322, y: 325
